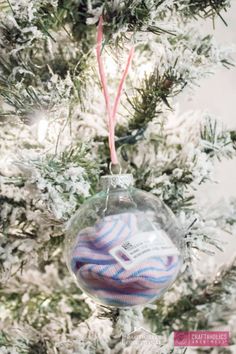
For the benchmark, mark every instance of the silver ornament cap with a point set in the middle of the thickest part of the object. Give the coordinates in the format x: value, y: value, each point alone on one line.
x: 117, y: 181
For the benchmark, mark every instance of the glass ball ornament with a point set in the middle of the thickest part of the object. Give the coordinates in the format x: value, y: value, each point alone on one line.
x: 123, y: 245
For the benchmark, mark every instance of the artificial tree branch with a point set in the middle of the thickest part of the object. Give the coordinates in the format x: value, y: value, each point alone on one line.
x: 187, y: 311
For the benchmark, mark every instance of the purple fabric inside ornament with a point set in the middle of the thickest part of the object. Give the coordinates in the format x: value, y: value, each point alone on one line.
x: 100, y: 275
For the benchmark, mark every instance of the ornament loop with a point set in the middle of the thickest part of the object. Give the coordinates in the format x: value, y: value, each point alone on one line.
x: 113, y: 168
x: 111, y: 111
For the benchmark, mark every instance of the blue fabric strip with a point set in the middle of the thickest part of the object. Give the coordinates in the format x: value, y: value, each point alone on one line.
x: 106, y: 233
x: 140, y: 271
x: 114, y: 239
x: 114, y: 290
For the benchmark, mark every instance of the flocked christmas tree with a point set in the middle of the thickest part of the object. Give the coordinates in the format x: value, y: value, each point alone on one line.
x: 54, y: 149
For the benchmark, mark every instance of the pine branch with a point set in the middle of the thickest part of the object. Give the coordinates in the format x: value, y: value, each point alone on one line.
x: 30, y: 307
x: 33, y: 70
x: 215, y: 140
x: 133, y: 15
x: 154, y: 91
x: 157, y: 91
x: 174, y: 181
x: 67, y: 179
x: 33, y: 312
x: 191, y: 311
x: 177, y: 193
x: 24, y: 224
x: 203, y: 8
x: 233, y: 137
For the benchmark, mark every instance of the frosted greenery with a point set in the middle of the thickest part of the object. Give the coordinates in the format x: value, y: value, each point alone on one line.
x: 53, y: 149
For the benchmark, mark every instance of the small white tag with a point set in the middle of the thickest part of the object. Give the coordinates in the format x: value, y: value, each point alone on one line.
x: 142, y: 246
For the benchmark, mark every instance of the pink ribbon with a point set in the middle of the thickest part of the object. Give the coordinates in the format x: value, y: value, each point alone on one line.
x: 111, y: 112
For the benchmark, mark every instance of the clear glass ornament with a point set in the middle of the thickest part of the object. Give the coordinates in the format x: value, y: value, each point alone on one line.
x: 123, y: 245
